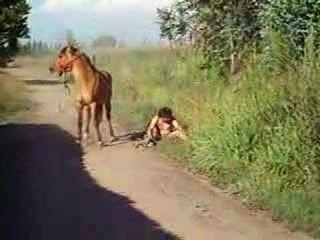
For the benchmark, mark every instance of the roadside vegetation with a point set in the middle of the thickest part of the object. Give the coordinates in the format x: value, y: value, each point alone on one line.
x: 251, y: 110
x: 255, y: 133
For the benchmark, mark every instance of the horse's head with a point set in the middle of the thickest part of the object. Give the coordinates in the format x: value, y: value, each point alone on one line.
x: 64, y: 62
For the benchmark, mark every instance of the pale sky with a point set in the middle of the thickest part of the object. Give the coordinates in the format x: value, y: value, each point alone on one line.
x: 129, y: 20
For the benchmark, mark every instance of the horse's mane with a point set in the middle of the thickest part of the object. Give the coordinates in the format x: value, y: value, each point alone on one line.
x: 87, y: 58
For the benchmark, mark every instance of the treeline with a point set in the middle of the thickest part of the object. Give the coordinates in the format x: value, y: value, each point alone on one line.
x: 225, y: 30
x: 108, y: 41
x: 38, y: 47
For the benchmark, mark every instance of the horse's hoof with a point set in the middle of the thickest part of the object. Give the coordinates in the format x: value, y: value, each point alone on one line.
x: 84, y: 144
x: 85, y: 136
x: 114, y: 139
x: 100, y: 143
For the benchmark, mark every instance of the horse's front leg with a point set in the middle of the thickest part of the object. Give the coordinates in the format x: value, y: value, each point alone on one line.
x: 80, y: 121
x: 88, y: 122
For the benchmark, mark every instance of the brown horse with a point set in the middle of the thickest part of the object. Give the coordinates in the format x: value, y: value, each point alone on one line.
x: 93, y: 89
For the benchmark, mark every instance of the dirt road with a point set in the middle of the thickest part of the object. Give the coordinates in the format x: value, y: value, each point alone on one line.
x: 54, y: 189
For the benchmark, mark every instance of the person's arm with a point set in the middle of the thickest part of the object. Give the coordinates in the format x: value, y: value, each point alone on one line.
x: 181, y: 133
x: 151, y: 126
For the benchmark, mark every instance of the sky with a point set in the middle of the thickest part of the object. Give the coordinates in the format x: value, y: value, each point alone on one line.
x: 128, y: 20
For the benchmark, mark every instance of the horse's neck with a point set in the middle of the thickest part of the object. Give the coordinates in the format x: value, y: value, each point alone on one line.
x: 84, y: 71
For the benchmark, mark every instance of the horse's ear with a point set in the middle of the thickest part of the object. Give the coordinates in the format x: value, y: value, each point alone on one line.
x: 68, y: 50
x: 74, y: 49
x: 71, y: 50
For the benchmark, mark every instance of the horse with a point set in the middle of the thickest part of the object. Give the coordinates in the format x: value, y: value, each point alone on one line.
x: 93, y: 90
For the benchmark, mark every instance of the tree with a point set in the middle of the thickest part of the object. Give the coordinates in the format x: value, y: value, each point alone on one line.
x: 219, y: 28
x: 70, y: 38
x: 40, y: 46
x: 13, y: 25
x: 34, y: 46
x: 46, y: 47
x: 28, y: 47
x: 294, y: 18
x: 223, y: 29
x: 105, y: 41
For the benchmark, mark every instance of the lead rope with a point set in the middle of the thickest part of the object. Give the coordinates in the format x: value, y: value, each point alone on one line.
x: 67, y: 92
x: 65, y: 83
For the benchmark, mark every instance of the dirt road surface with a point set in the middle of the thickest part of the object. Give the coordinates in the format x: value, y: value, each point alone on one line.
x: 54, y: 189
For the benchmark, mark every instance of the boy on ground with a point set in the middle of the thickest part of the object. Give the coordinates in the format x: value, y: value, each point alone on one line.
x: 164, y: 125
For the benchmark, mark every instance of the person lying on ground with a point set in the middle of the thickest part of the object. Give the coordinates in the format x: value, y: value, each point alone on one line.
x: 164, y: 125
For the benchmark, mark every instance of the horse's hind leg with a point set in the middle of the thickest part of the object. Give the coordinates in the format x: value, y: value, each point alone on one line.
x: 111, y: 132
x: 97, y: 113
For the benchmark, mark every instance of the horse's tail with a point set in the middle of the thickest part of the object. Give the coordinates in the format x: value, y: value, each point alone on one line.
x: 107, y: 75
x: 108, y: 79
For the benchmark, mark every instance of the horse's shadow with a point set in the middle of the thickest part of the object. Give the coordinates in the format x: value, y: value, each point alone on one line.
x: 47, y: 194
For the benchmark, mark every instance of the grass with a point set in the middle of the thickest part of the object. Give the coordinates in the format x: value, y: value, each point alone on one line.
x: 12, y: 99
x: 256, y: 133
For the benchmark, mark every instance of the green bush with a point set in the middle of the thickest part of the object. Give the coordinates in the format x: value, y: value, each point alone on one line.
x: 256, y: 133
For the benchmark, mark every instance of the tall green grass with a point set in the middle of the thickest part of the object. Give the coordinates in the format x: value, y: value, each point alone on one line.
x: 256, y: 133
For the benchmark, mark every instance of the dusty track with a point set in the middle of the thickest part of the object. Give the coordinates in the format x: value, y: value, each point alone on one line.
x: 54, y: 189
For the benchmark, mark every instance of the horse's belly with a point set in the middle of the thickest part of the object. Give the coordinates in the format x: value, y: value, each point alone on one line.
x: 103, y: 95
x: 84, y: 99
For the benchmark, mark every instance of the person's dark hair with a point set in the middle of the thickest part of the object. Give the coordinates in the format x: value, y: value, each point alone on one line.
x: 165, y: 112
